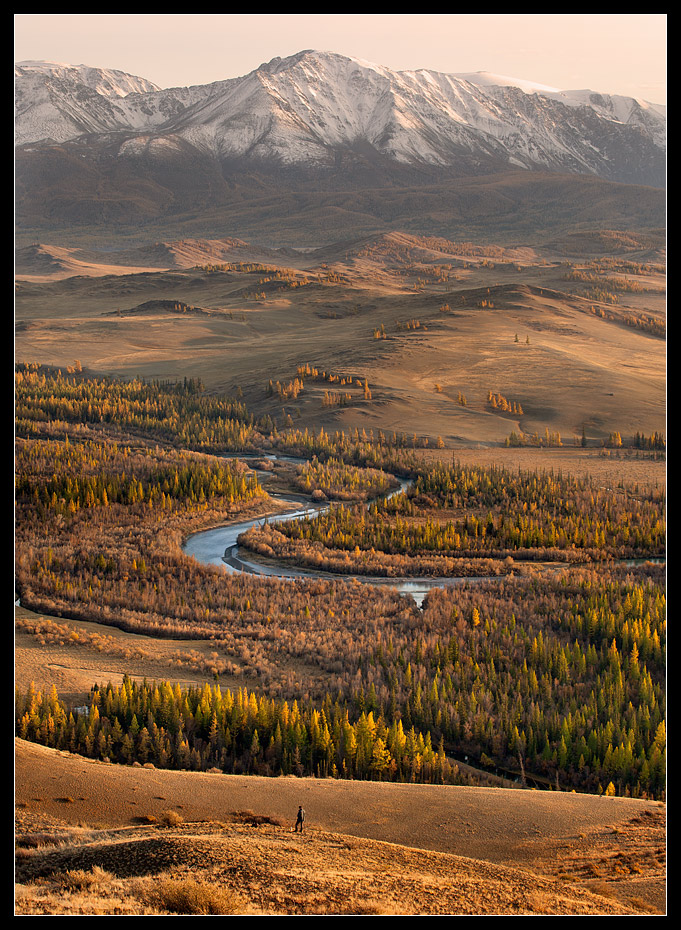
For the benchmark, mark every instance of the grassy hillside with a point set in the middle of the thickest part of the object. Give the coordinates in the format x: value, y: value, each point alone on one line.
x: 100, y: 839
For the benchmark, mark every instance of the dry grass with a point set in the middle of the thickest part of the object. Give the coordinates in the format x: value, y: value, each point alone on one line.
x: 187, y: 896
x: 80, y: 880
x: 257, y: 868
x: 149, y: 841
x: 578, y: 369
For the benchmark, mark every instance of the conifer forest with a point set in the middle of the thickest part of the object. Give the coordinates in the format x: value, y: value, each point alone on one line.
x: 541, y: 659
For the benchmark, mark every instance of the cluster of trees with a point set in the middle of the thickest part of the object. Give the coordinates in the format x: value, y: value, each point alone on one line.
x: 412, y: 252
x: 331, y: 398
x: 237, y: 267
x: 63, y: 478
x: 655, y: 441
x: 181, y: 413
x: 498, y: 402
x: 272, y: 274
x: 338, y: 481
x: 374, y: 449
x: 279, y: 279
x: 285, y: 391
x: 337, y: 399
x: 354, y: 447
x: 642, y: 321
x: 286, y: 278
x: 313, y: 373
x: 532, y: 515
x: 550, y: 439
x: 626, y: 266
x: 604, y: 282
x: 238, y: 731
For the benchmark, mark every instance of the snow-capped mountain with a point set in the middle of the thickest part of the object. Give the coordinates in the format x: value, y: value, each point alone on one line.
x: 301, y: 110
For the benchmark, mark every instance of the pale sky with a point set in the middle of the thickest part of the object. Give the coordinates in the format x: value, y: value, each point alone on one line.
x: 618, y: 53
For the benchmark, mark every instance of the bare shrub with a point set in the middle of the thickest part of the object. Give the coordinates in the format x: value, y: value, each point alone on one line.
x: 83, y: 880
x: 254, y: 820
x: 170, y: 818
x: 187, y: 896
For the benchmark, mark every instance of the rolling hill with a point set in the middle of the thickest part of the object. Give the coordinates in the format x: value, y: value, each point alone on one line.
x: 426, y: 320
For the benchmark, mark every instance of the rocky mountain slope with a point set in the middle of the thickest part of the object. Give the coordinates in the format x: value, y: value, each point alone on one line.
x: 303, y: 109
x: 318, y: 147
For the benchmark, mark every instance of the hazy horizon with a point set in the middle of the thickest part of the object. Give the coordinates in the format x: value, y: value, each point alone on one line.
x: 611, y: 53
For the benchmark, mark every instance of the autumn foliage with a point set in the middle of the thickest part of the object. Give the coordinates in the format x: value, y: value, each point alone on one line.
x: 556, y: 678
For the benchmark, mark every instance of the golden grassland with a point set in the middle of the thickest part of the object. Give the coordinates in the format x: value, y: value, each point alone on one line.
x: 452, y: 322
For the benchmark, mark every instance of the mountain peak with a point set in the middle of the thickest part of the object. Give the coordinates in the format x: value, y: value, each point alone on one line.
x: 304, y: 109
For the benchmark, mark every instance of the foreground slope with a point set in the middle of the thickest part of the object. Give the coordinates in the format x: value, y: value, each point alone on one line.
x: 368, y: 848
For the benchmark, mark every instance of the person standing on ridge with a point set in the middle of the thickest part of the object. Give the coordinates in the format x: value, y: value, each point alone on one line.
x: 300, y: 819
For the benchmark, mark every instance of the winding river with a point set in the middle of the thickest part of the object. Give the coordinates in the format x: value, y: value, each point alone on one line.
x: 219, y: 546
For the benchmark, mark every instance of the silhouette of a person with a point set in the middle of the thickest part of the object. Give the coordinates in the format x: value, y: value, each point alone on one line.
x: 300, y: 819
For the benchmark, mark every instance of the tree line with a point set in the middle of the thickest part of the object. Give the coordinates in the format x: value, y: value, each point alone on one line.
x: 181, y: 413
x: 64, y: 478
x: 234, y: 731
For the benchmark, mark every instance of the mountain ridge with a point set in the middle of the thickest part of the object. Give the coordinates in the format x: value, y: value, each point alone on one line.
x: 302, y: 109
x: 306, y: 150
